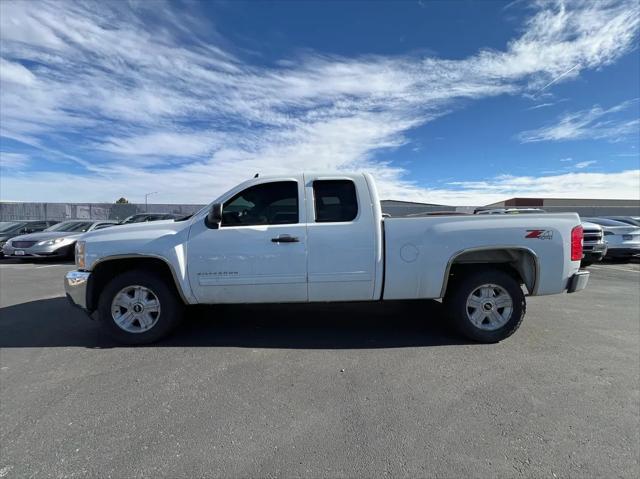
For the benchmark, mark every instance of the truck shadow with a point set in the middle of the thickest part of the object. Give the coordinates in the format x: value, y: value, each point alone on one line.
x: 54, y: 323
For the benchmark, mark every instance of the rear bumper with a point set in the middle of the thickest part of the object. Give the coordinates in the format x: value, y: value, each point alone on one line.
x: 623, y: 252
x: 578, y: 281
x: 595, y: 248
x: 75, y: 285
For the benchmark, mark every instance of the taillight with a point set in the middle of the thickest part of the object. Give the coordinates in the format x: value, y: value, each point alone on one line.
x: 576, y: 243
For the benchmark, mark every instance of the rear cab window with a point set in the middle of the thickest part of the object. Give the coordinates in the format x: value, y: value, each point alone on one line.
x: 335, y: 201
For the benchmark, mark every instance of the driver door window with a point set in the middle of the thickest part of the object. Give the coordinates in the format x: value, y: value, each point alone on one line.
x: 266, y: 204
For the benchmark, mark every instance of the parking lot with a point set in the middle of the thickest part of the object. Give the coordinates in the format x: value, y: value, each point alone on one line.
x: 339, y: 390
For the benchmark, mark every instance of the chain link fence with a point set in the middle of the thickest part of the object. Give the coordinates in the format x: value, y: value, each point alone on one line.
x: 89, y: 211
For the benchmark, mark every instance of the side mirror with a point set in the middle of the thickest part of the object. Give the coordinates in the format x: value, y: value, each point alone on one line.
x: 215, y: 215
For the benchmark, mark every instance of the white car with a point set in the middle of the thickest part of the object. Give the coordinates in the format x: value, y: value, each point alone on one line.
x: 623, y: 240
x: 56, y: 241
x: 630, y: 220
x: 319, y: 238
x: 509, y: 211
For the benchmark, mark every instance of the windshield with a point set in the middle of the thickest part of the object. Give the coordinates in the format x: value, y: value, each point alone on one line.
x: 69, y: 226
x: 605, y: 222
x: 525, y: 211
x: 10, y: 226
x: 629, y: 221
x: 135, y: 219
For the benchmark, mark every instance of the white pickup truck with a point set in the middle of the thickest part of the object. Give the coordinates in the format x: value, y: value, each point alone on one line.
x: 319, y: 238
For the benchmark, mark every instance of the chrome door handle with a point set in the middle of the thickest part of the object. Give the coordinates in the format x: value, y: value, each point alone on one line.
x: 285, y: 239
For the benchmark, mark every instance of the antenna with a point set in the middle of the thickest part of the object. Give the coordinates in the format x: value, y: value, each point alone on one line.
x: 256, y: 175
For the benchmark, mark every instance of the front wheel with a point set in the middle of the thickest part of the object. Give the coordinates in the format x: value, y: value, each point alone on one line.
x: 138, y: 307
x: 486, y: 306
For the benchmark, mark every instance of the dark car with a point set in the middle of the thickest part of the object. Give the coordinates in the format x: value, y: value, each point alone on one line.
x: 143, y: 217
x: 10, y: 229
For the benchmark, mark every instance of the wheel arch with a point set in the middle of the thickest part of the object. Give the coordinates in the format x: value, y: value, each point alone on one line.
x: 106, y: 268
x: 519, y: 261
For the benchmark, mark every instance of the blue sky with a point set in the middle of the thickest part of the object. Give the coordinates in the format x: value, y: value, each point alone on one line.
x: 456, y: 102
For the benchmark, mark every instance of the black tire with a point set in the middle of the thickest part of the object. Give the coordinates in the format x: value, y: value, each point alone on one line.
x: 585, y: 264
x: 171, y: 307
x: 455, y: 303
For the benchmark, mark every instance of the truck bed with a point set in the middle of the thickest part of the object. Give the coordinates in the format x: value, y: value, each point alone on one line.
x: 420, y: 251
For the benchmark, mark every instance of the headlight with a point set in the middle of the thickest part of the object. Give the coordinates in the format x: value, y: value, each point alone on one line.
x: 80, y: 260
x: 52, y: 242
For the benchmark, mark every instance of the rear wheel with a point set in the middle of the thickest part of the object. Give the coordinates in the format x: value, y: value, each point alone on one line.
x: 486, y: 306
x: 137, y: 307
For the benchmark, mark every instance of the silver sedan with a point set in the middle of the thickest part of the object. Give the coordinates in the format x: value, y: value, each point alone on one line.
x: 57, y: 241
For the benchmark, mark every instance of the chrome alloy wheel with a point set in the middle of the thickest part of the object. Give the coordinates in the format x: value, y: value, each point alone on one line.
x: 135, y: 309
x: 489, y: 307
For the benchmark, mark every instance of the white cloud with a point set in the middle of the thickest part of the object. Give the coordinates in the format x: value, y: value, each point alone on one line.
x: 583, y: 164
x: 622, y: 185
x: 540, y: 105
x: 568, y: 158
x: 141, y: 98
x: 164, y: 144
x: 13, y: 161
x: 595, y: 124
x: 15, y: 73
x: 200, y: 184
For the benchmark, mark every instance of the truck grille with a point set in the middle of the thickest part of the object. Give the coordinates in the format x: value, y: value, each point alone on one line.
x: 22, y: 244
x: 592, y: 236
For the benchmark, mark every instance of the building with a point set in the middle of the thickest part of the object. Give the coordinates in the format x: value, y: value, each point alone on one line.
x: 582, y: 206
x: 409, y: 208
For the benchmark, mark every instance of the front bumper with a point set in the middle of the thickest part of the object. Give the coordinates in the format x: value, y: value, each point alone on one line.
x: 595, y: 248
x: 42, y: 251
x: 578, y: 281
x: 76, y: 285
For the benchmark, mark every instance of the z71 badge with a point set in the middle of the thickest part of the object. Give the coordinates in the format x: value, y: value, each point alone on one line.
x: 539, y: 234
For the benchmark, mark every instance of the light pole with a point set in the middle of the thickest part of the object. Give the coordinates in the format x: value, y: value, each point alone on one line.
x: 146, y: 196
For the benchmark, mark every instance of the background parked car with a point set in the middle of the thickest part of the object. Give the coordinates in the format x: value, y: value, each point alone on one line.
x: 439, y: 213
x: 508, y: 211
x: 623, y: 240
x: 594, y: 246
x: 143, y: 217
x: 57, y: 241
x: 10, y: 229
x: 630, y: 220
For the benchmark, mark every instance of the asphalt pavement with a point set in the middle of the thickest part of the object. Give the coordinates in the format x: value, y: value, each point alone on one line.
x: 343, y: 390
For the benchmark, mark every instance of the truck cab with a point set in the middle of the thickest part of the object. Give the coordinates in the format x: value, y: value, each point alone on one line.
x: 289, y: 239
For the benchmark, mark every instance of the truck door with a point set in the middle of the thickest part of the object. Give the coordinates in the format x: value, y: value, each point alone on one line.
x: 259, y: 252
x: 341, y: 238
